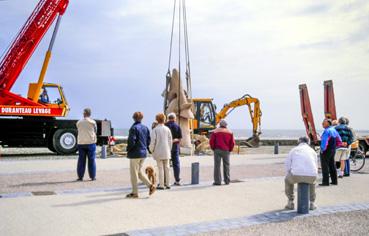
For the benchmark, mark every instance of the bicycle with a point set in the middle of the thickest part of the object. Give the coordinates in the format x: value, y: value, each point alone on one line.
x: 357, y: 160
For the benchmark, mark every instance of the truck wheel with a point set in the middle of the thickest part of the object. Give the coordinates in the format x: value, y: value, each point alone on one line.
x: 50, y: 145
x: 65, y: 141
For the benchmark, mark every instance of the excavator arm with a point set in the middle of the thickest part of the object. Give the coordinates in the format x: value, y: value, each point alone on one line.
x: 255, y: 114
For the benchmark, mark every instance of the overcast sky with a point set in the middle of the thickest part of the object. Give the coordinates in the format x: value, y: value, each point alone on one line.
x: 112, y: 56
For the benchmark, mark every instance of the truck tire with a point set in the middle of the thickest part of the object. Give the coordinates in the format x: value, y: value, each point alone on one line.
x: 65, y: 141
x: 50, y: 145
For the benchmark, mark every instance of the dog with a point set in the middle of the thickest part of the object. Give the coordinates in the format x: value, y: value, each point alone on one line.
x: 150, y: 172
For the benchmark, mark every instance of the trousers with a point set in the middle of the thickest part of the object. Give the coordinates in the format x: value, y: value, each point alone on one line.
x: 328, y: 167
x: 219, y: 156
x: 290, y: 180
x: 135, y: 168
x: 86, y: 151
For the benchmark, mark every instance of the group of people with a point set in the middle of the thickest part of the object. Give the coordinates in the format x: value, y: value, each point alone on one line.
x: 302, y: 161
x: 163, y: 142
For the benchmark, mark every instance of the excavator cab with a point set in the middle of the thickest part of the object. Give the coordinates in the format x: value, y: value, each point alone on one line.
x: 205, y: 115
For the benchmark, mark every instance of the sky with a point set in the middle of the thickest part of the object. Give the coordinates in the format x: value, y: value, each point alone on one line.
x: 112, y: 56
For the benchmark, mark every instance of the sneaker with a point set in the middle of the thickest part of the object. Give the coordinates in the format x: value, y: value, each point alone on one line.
x: 290, y: 205
x: 312, y: 206
x: 160, y: 188
x: 152, y: 189
x: 340, y: 176
x: 216, y: 184
x: 323, y: 184
x: 132, y: 195
x: 177, y: 183
x: 79, y: 179
x: 335, y: 183
x: 167, y: 187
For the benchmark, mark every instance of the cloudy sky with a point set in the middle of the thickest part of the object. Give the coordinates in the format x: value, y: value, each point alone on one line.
x: 112, y: 55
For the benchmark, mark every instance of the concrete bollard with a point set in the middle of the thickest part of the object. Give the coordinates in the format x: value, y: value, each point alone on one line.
x: 195, y: 173
x: 276, y: 148
x: 303, y: 197
x: 103, y: 152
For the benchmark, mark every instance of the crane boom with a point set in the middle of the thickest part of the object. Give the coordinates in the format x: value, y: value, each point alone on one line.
x: 27, y: 40
x: 329, y: 101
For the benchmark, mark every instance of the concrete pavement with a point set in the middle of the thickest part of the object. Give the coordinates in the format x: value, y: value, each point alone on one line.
x: 107, y: 211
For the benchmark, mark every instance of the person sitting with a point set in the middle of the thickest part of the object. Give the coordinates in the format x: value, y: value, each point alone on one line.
x: 301, y: 167
x: 44, y: 97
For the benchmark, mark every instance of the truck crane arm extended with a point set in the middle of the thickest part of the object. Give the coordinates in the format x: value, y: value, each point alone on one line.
x: 22, y: 48
x: 255, y: 115
x: 307, y: 114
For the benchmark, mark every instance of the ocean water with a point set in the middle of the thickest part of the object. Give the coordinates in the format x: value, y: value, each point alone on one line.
x: 266, y: 134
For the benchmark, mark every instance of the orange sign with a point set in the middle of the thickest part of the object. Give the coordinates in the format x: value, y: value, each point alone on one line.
x: 30, y: 111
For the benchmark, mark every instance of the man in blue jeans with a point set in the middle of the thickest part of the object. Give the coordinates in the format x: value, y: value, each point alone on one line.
x: 86, y: 145
x: 176, y: 135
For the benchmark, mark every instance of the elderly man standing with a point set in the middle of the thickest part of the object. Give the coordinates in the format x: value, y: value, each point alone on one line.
x: 343, y: 152
x: 330, y: 140
x: 222, y: 143
x: 137, y: 148
x: 176, y: 139
x: 301, y: 167
x: 86, y: 145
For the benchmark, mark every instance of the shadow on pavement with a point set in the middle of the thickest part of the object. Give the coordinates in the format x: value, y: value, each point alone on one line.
x: 44, y: 183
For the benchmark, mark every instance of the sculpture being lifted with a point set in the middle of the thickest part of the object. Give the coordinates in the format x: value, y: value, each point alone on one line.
x: 181, y: 106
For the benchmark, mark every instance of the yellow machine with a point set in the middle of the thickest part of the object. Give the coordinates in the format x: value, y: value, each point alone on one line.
x: 206, y: 117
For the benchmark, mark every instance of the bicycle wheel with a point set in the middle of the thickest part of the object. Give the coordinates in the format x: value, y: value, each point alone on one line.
x: 357, y: 161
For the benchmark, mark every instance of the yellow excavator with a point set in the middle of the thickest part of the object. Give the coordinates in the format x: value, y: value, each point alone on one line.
x: 206, y: 117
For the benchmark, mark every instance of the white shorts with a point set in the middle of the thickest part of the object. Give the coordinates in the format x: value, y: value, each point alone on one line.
x: 342, y: 154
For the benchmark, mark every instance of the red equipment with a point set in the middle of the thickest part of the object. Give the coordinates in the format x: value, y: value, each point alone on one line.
x: 17, y: 57
x: 329, y: 102
x: 307, y: 114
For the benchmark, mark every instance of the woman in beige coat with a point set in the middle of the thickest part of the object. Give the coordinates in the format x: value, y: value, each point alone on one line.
x: 160, y: 146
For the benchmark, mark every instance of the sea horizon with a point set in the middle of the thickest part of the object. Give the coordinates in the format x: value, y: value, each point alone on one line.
x: 265, y: 133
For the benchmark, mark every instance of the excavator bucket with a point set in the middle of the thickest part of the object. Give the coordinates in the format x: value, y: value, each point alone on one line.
x: 329, y: 102
x: 307, y: 114
x: 252, y: 142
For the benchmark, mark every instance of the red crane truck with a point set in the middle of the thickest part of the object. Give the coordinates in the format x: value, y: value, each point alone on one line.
x: 32, y: 121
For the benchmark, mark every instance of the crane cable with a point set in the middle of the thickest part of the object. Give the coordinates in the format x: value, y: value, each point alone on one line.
x: 182, y: 17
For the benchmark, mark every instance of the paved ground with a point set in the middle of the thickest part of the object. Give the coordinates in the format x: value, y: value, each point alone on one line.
x: 99, y: 207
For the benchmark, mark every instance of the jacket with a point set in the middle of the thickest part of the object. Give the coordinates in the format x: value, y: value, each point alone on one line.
x: 138, y: 141
x: 345, y: 133
x: 330, y: 140
x: 222, y: 138
x: 86, y: 131
x: 161, y: 142
x: 302, y: 161
x: 176, y: 133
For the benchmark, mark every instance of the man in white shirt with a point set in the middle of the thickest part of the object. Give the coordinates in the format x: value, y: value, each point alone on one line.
x: 86, y: 145
x: 301, y: 167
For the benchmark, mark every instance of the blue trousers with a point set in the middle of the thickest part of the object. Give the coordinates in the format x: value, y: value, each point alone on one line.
x: 86, y: 151
x: 175, y: 162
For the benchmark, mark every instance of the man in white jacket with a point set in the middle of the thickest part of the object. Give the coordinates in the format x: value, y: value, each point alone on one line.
x: 160, y: 146
x: 301, y: 167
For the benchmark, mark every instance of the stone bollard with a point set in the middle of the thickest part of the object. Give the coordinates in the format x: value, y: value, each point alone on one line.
x: 276, y: 148
x: 195, y: 173
x: 303, y: 196
x: 103, y: 152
